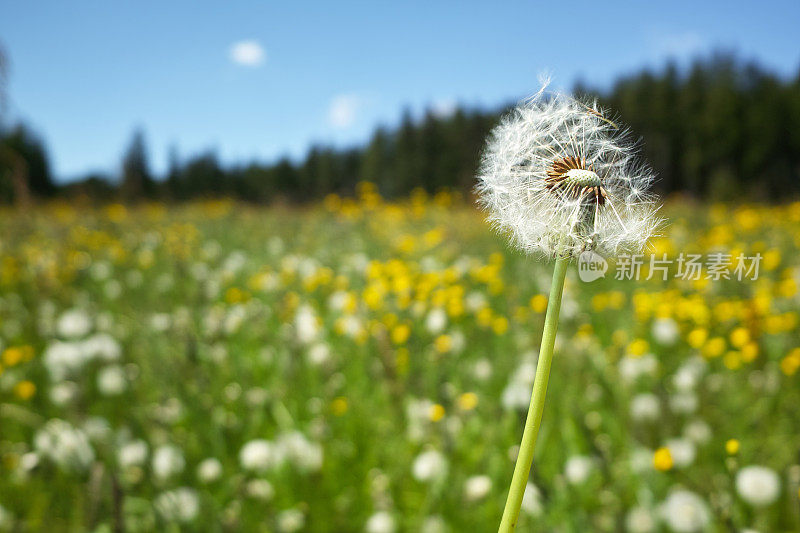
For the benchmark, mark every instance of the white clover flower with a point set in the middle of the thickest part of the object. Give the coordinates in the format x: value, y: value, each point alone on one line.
x: 477, y: 487
x: 559, y: 177
x: 758, y: 485
x: 380, y: 522
x: 685, y: 512
x: 179, y: 505
x: 429, y: 465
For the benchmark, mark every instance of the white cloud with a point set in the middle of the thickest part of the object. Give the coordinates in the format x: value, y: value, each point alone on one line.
x: 249, y: 53
x: 342, y: 110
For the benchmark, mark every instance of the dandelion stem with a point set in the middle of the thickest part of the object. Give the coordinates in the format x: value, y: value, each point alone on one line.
x: 525, y: 458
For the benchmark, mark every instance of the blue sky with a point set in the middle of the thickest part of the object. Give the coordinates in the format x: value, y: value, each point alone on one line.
x: 256, y: 80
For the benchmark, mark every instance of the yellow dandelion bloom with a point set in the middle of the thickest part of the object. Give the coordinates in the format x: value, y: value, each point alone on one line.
x: 468, y: 401
x: 739, y: 337
x: 24, y: 390
x: 697, y: 337
x: 749, y: 352
x: 443, y: 343
x: 12, y: 356
x: 339, y: 406
x: 539, y: 303
x: 500, y: 325
x: 662, y: 459
x: 732, y: 446
x: 638, y: 347
x: 437, y: 412
x: 400, y: 333
x: 714, y: 347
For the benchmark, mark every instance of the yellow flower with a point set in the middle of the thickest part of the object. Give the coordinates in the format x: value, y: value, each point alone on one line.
x: 697, y: 337
x: 500, y: 325
x: 732, y: 360
x: 339, y: 406
x: 539, y: 303
x: 12, y: 356
x: 437, y: 412
x: 484, y: 316
x: 443, y: 343
x: 732, y: 446
x: 749, y: 352
x: 24, y: 390
x: 739, y: 337
x: 401, y: 360
x: 235, y: 295
x: 638, y: 347
x: 662, y: 459
x: 714, y: 347
x: 468, y: 401
x: 791, y: 362
x: 400, y: 333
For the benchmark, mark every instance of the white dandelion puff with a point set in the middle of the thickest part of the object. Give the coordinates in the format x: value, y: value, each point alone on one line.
x: 559, y: 178
x: 685, y: 512
x: 758, y: 485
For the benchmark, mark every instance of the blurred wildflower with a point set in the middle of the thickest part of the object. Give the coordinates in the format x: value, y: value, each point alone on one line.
x: 179, y: 505
x: 477, y: 487
x: 732, y: 446
x: 578, y: 469
x: 429, y: 466
x: 758, y: 485
x: 662, y: 459
x: 380, y: 522
x: 685, y: 512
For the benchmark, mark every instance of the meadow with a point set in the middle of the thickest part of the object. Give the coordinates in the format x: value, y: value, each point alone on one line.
x: 365, y: 365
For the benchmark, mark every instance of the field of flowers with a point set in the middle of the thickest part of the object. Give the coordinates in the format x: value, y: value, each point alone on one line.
x: 366, y: 366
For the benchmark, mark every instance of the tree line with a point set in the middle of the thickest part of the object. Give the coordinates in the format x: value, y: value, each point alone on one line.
x: 719, y: 128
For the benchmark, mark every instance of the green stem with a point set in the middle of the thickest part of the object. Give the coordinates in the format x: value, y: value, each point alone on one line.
x: 525, y: 458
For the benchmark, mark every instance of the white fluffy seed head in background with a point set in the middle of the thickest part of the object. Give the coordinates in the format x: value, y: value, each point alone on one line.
x: 547, y: 210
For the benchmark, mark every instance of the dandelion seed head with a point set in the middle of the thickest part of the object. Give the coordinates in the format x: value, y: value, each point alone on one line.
x: 559, y: 177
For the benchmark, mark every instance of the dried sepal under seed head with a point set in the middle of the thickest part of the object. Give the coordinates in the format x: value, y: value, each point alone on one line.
x: 560, y: 177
